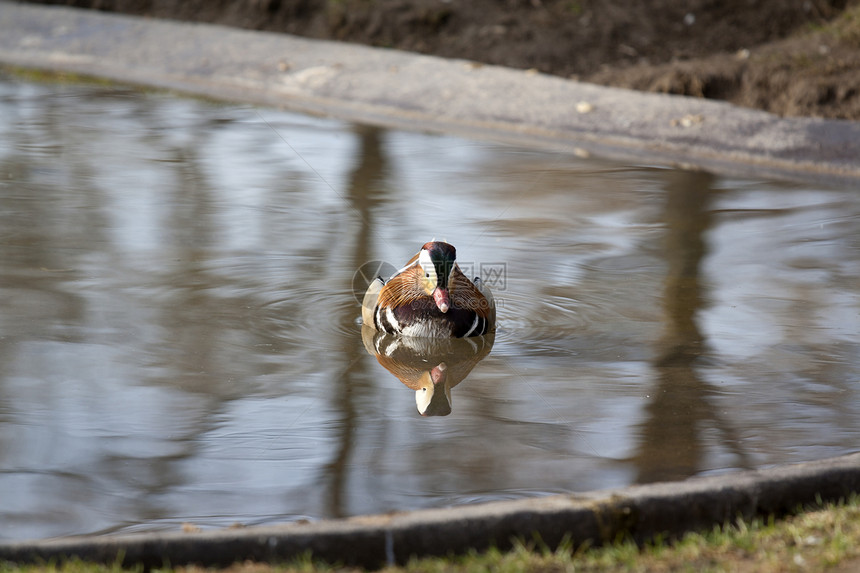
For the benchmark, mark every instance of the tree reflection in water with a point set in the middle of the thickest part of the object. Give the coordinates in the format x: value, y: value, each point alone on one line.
x: 364, y: 191
x: 672, y: 445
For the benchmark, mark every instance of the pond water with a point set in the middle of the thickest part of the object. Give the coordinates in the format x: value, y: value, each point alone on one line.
x: 179, y: 336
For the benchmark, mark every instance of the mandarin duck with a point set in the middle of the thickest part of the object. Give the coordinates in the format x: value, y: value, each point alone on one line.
x: 430, y: 297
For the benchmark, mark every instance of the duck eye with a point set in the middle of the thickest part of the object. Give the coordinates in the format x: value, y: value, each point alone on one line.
x: 427, y: 275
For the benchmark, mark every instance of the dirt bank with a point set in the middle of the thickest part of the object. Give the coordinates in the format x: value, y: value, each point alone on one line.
x: 790, y: 57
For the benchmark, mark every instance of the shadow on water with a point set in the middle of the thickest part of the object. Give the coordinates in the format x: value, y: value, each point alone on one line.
x: 179, y: 338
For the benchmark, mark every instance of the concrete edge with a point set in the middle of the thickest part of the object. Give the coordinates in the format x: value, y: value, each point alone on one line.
x: 416, y: 92
x: 640, y: 512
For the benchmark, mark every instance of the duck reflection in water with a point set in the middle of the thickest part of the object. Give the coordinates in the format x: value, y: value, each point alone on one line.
x: 429, y: 366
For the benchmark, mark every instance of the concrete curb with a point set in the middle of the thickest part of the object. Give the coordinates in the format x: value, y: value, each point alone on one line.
x: 398, y: 89
x: 638, y: 511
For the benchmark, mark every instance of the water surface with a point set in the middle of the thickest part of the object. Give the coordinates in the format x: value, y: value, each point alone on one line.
x: 179, y: 338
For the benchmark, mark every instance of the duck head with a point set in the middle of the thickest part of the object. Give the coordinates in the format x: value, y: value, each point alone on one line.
x: 436, y: 260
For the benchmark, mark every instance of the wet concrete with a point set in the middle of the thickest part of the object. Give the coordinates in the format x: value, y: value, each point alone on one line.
x: 404, y: 90
x: 639, y: 512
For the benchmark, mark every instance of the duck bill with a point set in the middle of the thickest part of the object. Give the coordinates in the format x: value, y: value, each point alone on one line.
x: 440, y: 296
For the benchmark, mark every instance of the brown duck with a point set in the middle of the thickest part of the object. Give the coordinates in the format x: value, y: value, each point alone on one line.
x: 430, y: 297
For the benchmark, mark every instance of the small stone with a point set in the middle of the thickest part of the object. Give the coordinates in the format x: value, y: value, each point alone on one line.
x: 688, y: 120
x: 584, y: 107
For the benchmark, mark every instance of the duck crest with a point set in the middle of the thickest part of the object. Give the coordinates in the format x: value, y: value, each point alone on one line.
x: 430, y: 297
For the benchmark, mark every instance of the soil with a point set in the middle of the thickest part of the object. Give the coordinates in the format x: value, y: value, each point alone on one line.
x: 789, y: 57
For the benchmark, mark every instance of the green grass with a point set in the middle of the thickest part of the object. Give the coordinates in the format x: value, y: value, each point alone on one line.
x: 818, y: 539
x: 811, y: 541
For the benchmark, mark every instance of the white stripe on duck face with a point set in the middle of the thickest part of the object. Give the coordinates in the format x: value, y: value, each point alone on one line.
x: 427, y: 264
